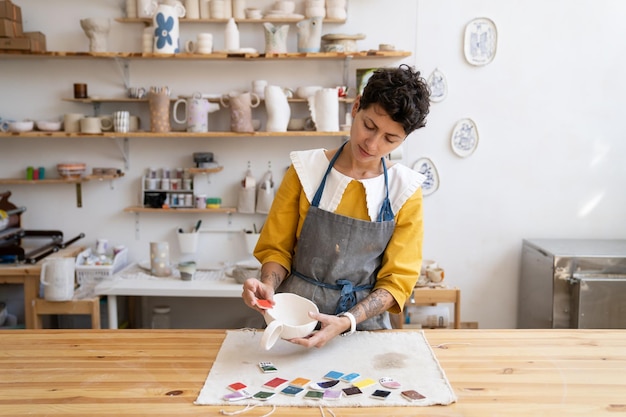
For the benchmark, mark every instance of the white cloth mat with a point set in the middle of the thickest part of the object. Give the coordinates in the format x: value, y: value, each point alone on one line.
x: 404, y: 356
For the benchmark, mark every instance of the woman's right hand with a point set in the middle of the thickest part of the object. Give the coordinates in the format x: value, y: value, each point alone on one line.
x: 255, y: 290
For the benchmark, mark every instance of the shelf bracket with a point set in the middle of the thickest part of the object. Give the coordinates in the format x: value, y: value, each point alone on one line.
x: 79, y: 194
x: 137, y: 226
x: 124, y: 147
x: 124, y: 67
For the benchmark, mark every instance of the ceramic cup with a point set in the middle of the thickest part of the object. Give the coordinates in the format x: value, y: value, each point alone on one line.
x: 188, y: 242
x: 187, y: 270
x: 135, y: 123
x: 203, y: 44
x: 217, y: 9
x: 71, y: 122
x: 106, y: 122
x: 435, y: 275
x: 57, y: 278
x: 136, y: 92
x: 90, y: 125
x: 252, y: 13
x: 80, y: 90
x: 288, y: 319
x: 296, y: 124
x: 285, y: 6
x: 121, y: 121
x: 160, y: 259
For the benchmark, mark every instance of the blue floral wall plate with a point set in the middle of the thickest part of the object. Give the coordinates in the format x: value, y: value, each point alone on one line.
x: 438, y: 86
x: 426, y: 167
x: 464, y: 139
x: 481, y: 40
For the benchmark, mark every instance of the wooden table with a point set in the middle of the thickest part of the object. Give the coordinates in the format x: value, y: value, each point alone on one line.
x: 160, y: 373
x: 28, y: 276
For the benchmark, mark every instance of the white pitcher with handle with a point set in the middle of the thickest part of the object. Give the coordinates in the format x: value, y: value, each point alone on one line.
x: 197, y: 111
x: 57, y: 278
x: 324, y: 108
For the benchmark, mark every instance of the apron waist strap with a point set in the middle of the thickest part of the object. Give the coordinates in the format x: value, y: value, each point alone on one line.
x: 347, y: 299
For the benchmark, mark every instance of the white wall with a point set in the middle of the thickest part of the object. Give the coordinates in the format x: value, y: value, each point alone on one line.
x: 547, y: 109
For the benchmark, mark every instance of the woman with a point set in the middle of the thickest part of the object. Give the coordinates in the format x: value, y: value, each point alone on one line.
x: 345, y: 229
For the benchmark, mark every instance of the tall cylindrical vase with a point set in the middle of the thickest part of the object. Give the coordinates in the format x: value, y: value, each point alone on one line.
x: 159, y: 104
x: 167, y: 28
x: 160, y: 259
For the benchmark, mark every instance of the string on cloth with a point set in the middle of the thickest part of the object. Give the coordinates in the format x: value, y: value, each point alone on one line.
x: 445, y: 345
x: 245, y: 410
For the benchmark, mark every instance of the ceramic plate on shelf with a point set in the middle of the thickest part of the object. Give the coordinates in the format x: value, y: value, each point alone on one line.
x: 481, y: 39
x: 464, y: 139
x: 438, y: 86
x: 427, y: 168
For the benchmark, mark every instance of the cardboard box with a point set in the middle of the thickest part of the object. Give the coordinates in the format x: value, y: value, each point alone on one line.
x: 38, y: 41
x: 15, y: 44
x: 10, y: 11
x: 10, y: 29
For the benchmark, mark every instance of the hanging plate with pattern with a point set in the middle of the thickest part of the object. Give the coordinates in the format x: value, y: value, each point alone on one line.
x: 438, y: 86
x: 464, y: 138
x: 426, y: 167
x: 481, y: 40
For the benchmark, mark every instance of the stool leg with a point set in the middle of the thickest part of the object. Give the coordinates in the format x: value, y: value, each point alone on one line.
x: 37, y: 322
x: 95, y: 314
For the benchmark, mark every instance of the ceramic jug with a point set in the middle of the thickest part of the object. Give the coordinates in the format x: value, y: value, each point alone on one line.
x: 166, y: 26
x: 277, y: 107
x: 275, y: 38
x: 310, y: 34
x: 241, y: 105
x: 324, y: 108
x: 57, y: 278
x: 197, y: 111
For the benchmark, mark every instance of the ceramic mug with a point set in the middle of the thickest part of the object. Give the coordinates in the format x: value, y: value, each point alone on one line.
x: 106, y: 122
x: 187, y: 270
x: 93, y: 125
x: 57, y: 278
x: 435, y: 275
x: 121, y: 121
x: 288, y: 319
x: 71, y: 122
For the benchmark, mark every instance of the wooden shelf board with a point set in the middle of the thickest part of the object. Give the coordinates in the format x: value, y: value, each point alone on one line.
x: 85, y: 178
x: 176, y: 134
x: 139, y: 209
x: 214, y: 56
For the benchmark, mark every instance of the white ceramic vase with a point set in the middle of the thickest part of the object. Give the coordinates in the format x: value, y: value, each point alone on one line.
x: 324, y: 108
x: 277, y: 107
x: 310, y: 34
x: 97, y: 30
x: 275, y: 38
x: 167, y: 27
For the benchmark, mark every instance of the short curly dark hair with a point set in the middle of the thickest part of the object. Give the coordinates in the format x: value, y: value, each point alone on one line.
x: 402, y: 93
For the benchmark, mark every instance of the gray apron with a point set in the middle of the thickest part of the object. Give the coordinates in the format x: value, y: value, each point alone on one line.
x: 337, y: 258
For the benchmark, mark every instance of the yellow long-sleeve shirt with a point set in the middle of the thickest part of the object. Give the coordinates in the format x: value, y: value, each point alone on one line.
x: 401, y: 260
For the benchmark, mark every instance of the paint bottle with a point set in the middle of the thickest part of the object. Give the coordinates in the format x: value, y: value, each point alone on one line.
x: 161, y: 317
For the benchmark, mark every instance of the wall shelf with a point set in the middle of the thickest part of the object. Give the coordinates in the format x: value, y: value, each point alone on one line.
x: 141, y: 209
x: 174, y: 134
x: 148, y: 20
x: 76, y: 181
x: 371, y: 54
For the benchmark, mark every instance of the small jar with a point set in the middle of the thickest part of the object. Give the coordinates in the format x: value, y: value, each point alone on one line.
x: 161, y: 317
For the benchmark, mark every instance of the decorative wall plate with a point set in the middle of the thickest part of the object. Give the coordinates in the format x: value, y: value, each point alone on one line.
x: 426, y: 167
x: 481, y: 39
x: 438, y: 86
x: 464, y: 139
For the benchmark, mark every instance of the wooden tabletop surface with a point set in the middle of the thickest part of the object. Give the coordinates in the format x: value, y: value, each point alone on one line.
x: 160, y: 373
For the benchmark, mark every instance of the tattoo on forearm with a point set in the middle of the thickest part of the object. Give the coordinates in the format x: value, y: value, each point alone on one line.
x: 374, y: 304
x: 273, y: 278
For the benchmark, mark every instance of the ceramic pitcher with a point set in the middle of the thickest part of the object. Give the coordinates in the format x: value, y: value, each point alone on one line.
x: 166, y: 26
x: 310, y: 34
x: 57, y: 278
x: 277, y: 107
x: 275, y: 38
x: 241, y: 105
x: 324, y: 107
x: 197, y: 111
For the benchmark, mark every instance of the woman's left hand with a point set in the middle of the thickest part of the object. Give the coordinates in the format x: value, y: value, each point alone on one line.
x: 331, y: 327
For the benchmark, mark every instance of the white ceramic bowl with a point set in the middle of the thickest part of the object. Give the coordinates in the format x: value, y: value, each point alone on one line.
x: 25, y: 126
x: 307, y: 91
x: 48, y: 126
x: 288, y: 319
